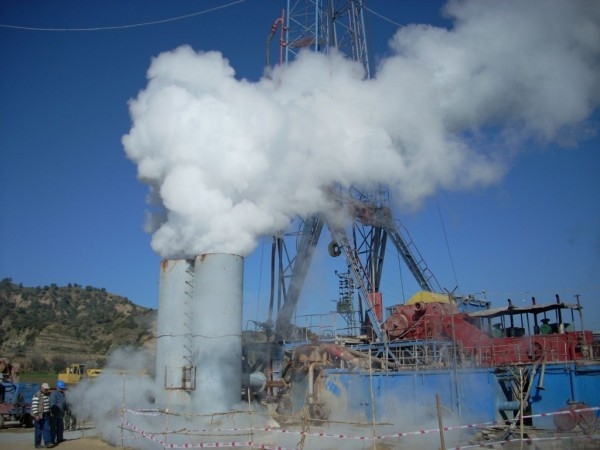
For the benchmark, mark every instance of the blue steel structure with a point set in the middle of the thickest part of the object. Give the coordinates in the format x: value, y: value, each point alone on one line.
x: 374, y: 379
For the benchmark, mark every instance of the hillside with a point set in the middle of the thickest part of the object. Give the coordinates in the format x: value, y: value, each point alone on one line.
x: 53, y: 325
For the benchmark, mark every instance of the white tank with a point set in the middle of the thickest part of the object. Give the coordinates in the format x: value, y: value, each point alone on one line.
x: 174, y: 332
x: 217, y: 332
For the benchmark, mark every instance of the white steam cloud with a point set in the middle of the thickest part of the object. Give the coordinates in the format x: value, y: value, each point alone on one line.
x: 230, y: 160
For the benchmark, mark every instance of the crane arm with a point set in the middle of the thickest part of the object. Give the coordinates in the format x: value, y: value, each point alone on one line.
x: 309, y: 236
x: 361, y: 275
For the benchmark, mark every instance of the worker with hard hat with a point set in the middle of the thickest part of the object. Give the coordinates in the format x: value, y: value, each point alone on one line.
x: 58, y: 408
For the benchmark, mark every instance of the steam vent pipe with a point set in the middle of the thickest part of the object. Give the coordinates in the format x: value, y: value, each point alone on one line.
x: 217, y: 332
x: 172, y: 356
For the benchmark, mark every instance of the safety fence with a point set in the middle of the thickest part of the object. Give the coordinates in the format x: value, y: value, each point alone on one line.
x: 198, y: 438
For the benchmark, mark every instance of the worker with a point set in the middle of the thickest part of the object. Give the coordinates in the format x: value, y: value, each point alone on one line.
x: 40, y: 411
x: 58, y: 408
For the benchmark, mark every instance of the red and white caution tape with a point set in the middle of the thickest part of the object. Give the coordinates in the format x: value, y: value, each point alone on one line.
x: 153, y: 437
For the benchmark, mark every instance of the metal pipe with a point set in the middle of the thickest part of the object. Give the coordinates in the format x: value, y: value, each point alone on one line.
x: 580, y: 314
x: 440, y: 422
x: 561, y: 325
x: 513, y: 405
x: 536, y: 328
x: 311, y: 380
x: 255, y: 381
x: 512, y: 320
x: 541, y: 380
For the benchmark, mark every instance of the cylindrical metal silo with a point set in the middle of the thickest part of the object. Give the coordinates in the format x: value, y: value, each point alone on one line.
x: 174, y: 332
x: 217, y: 312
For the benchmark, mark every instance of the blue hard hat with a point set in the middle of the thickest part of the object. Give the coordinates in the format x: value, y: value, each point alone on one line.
x: 60, y: 384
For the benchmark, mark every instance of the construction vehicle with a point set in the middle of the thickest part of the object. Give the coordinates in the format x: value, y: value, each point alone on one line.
x: 15, y: 397
x: 9, y: 371
x: 15, y: 402
x: 76, y: 372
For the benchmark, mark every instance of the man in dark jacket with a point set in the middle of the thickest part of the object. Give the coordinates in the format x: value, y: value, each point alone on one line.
x: 40, y: 411
x: 58, y: 408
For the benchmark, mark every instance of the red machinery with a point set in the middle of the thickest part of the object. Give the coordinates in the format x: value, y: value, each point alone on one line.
x: 483, y: 335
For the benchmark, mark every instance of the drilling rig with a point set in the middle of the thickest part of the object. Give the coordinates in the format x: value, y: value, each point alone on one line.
x: 326, y: 26
x: 436, y: 340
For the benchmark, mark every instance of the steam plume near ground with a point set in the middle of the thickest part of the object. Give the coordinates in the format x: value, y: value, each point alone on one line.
x: 228, y: 160
x: 121, y: 405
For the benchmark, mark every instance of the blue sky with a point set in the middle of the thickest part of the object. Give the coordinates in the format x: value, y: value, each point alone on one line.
x: 73, y: 211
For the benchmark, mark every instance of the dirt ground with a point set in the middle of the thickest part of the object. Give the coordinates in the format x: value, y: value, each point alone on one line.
x: 16, y: 438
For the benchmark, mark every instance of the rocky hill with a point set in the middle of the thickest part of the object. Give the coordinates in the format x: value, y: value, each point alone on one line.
x: 55, y: 326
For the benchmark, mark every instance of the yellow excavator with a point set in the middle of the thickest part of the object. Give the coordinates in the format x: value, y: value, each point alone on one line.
x: 76, y: 372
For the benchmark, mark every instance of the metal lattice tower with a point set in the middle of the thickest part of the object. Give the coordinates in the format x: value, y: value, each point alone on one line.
x: 324, y: 25
x: 345, y: 302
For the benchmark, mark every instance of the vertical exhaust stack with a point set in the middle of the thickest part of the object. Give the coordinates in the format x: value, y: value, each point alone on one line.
x: 173, y: 331
x: 217, y: 332
x: 199, y: 333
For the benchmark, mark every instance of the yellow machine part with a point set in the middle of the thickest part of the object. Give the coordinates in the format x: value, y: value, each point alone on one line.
x: 69, y: 378
x: 428, y: 297
x: 72, y: 374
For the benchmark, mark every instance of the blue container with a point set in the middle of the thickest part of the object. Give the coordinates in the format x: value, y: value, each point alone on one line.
x: 466, y: 395
x: 564, y: 384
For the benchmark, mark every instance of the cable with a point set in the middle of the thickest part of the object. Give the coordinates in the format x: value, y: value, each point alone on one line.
x: 382, y: 16
x: 122, y: 27
x: 447, y: 243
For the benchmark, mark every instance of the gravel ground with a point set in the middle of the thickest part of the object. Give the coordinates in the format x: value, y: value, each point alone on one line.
x: 18, y: 438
